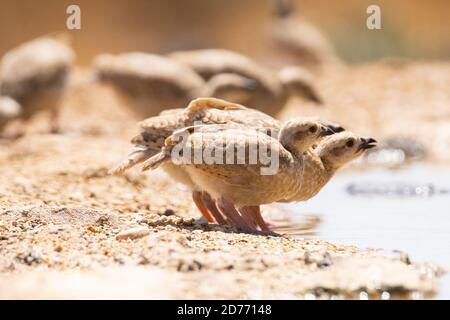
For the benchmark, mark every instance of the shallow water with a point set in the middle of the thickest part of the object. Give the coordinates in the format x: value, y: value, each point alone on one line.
x: 406, y: 210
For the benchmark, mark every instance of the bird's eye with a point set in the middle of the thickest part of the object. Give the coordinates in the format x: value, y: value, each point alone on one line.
x: 313, y: 129
x: 350, y: 143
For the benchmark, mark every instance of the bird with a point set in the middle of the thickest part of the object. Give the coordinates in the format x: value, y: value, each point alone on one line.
x: 148, y: 83
x: 155, y: 130
x: 321, y: 163
x: 299, y: 38
x: 238, y: 185
x: 330, y: 155
x: 234, y: 77
x: 9, y: 110
x: 35, y: 75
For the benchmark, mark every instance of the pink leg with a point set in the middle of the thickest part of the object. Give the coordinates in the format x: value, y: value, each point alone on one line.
x: 228, y: 209
x: 247, y: 214
x: 212, y: 208
x: 255, y: 212
x: 197, y: 197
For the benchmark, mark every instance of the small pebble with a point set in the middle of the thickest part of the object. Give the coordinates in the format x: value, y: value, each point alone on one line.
x: 133, y: 233
x: 168, y: 213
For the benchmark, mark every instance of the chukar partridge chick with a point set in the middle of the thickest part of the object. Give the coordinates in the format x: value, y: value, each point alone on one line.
x: 330, y: 155
x: 35, y: 75
x: 155, y: 130
x: 300, y: 38
x: 240, y: 185
x: 236, y: 78
x: 148, y: 83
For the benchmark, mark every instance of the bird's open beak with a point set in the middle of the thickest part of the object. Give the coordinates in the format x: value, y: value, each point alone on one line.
x: 367, y: 143
x: 326, y: 131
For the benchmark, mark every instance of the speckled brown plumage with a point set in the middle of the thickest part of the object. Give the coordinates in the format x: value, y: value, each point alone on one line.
x: 244, y: 184
x: 148, y: 83
x: 322, y: 163
x: 219, y: 112
x: 156, y: 129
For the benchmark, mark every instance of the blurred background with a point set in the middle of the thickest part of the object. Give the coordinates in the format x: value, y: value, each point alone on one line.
x: 410, y: 28
x: 395, y: 197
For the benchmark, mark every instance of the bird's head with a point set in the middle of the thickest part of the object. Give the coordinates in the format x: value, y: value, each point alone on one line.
x: 343, y: 147
x: 298, y: 135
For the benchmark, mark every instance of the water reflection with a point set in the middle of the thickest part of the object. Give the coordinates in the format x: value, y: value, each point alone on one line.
x: 301, y: 227
x: 395, y: 189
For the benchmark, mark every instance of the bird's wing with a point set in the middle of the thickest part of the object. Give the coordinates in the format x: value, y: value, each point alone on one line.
x: 202, y: 111
x: 148, y: 68
x: 213, y: 61
x: 217, y: 111
x: 137, y: 155
x: 213, y: 103
x: 171, y: 120
x: 229, y: 152
x: 150, y: 140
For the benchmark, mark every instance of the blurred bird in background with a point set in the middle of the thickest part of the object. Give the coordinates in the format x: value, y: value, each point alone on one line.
x: 35, y: 75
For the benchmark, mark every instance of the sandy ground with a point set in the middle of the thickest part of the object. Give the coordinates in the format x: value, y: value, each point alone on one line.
x: 69, y: 230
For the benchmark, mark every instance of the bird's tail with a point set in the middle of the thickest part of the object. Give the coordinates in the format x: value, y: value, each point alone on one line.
x: 155, y: 161
x: 137, y: 155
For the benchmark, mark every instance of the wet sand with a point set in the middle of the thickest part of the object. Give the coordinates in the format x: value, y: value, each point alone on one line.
x: 69, y: 230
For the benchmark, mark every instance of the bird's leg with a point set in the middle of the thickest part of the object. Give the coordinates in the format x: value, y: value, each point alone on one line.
x: 255, y: 213
x: 197, y: 197
x: 247, y: 214
x: 211, y: 206
x: 228, y: 209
